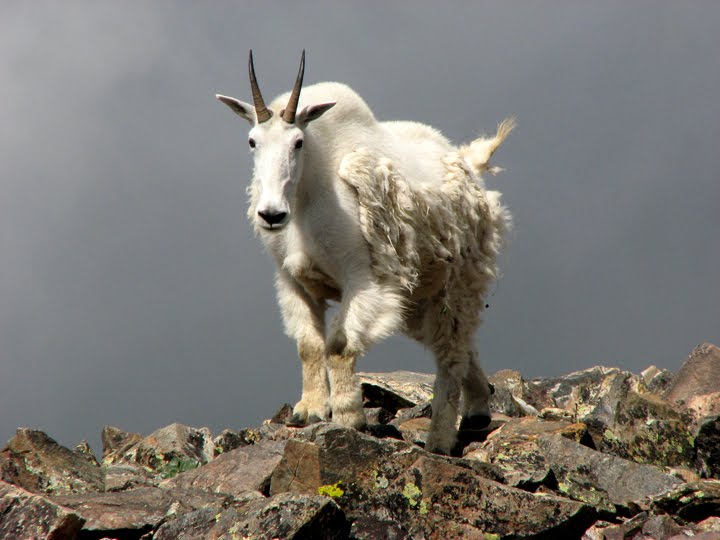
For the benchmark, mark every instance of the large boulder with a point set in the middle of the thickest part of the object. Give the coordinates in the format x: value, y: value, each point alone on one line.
x: 36, y: 462
x: 288, y: 516
x: 27, y: 515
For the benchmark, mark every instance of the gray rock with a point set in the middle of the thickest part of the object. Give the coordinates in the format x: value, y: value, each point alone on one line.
x: 36, y: 462
x: 167, y: 451
x: 707, y: 446
x: 699, y: 375
x: 230, y: 440
x: 289, y: 515
x: 694, y: 501
x: 27, y: 515
x: 646, y: 429
x: 247, y: 468
x: 592, y: 476
x: 396, y: 390
x: 139, y: 510
x: 513, y: 448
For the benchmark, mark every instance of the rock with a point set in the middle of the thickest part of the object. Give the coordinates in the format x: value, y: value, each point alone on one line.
x: 646, y: 429
x: 391, y: 488
x: 83, y: 450
x: 287, y: 515
x: 378, y: 415
x: 656, y: 380
x: 27, y: 515
x: 421, y: 410
x: 591, y: 395
x: 282, y: 415
x: 247, y: 468
x: 116, y: 441
x: 437, y: 499
x: 699, y: 375
x: 138, y: 510
x: 396, y: 390
x: 230, y: 440
x: 415, y: 430
x: 514, y: 450
x: 34, y: 461
x: 694, y: 501
x: 510, y: 394
x: 707, y: 446
x: 168, y: 451
x: 121, y: 476
x: 598, y: 478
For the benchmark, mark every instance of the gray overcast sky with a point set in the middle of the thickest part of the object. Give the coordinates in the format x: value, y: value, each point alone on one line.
x: 133, y: 293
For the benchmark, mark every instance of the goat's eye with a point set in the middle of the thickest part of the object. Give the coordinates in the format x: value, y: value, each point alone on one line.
x: 251, y: 142
x: 298, y: 144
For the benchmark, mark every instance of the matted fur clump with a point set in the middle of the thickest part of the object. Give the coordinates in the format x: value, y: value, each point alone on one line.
x: 430, y: 238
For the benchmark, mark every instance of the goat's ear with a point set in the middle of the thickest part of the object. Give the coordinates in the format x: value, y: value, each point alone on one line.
x: 313, y: 112
x: 240, y: 108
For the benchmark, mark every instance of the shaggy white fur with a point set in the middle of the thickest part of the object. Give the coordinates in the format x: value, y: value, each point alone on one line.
x: 392, y: 221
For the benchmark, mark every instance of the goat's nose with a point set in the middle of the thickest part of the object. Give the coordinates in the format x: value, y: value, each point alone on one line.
x: 272, y: 217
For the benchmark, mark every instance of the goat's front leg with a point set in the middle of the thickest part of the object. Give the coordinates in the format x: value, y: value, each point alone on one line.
x: 304, y: 321
x: 366, y: 315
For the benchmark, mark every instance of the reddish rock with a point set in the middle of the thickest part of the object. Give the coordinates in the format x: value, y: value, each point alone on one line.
x: 36, y: 462
x: 244, y: 469
x: 27, y: 515
x: 699, y: 375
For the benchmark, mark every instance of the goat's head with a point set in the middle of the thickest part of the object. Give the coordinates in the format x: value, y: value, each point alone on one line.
x: 276, y: 143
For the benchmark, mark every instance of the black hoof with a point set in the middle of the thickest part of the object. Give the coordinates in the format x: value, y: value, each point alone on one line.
x: 296, y: 420
x: 313, y: 419
x: 474, y: 423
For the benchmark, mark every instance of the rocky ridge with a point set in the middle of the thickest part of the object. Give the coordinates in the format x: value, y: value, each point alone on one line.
x: 597, y: 454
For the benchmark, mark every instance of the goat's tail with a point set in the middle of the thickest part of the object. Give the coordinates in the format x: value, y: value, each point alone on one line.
x: 477, y: 154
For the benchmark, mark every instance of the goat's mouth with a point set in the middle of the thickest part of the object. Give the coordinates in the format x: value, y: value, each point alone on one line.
x: 272, y: 227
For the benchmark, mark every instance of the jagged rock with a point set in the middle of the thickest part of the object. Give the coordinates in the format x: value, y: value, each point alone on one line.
x: 282, y: 415
x: 513, y: 448
x: 656, y: 380
x: 138, y: 510
x: 396, y: 390
x: 694, y: 501
x: 707, y: 445
x: 36, y: 462
x: 646, y: 429
x: 115, y: 441
x: 230, y: 440
x: 597, y: 478
x: 247, y: 468
x: 421, y: 410
x: 287, y: 515
x: 415, y: 430
x: 83, y: 450
x: 395, y: 488
x: 510, y: 394
x: 640, y: 527
x: 378, y: 415
x: 434, y: 498
x: 27, y: 515
x: 168, y: 450
x: 120, y: 476
x: 698, y: 376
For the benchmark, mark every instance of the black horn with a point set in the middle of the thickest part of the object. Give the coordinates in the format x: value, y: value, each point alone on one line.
x: 291, y: 109
x: 261, y: 111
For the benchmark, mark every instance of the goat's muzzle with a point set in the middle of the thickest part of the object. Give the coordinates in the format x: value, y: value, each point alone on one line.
x: 271, y: 219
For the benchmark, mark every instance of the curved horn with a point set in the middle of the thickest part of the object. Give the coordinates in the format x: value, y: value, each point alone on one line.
x: 263, y: 114
x: 291, y: 109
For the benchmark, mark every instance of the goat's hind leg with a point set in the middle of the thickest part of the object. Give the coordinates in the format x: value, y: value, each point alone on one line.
x: 304, y: 321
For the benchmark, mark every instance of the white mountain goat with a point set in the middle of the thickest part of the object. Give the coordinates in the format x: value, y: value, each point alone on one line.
x: 390, y: 220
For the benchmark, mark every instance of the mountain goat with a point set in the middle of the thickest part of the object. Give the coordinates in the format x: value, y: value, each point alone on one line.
x: 386, y: 218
